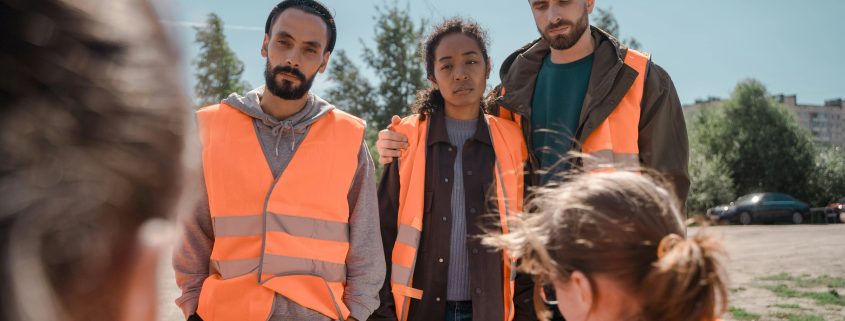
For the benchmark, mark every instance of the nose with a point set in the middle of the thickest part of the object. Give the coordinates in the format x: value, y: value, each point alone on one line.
x: 292, y: 59
x: 553, y: 14
x: 461, y: 74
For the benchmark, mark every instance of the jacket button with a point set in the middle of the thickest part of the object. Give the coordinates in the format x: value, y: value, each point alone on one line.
x: 469, y: 173
x: 477, y: 290
x: 440, y: 260
x: 446, y: 180
x: 474, y: 251
x: 444, y: 219
x: 450, y: 149
x: 472, y: 210
x: 437, y: 299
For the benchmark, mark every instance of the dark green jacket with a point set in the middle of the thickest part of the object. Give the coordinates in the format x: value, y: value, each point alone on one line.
x: 663, y: 141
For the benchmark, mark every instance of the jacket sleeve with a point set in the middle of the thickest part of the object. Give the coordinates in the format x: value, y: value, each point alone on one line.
x: 523, y: 300
x: 388, y: 202
x: 663, y: 133
x: 192, y: 254
x: 364, y: 262
x: 523, y: 294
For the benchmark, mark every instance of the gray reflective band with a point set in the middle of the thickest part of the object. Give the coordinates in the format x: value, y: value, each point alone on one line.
x: 400, y: 274
x: 408, y: 235
x: 608, y: 159
x: 233, y: 226
x: 234, y: 268
x: 281, y: 265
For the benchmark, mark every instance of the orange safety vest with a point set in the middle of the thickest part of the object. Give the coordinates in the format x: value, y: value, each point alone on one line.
x: 510, y: 152
x: 289, y: 235
x: 615, y: 143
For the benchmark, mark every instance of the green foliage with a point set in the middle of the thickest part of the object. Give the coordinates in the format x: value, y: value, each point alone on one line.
x: 826, y: 298
x: 351, y: 91
x: 759, y: 142
x: 396, y: 64
x: 798, y: 317
x: 743, y: 315
x: 828, y: 177
x: 218, y: 69
x: 711, y: 181
x: 605, y: 20
x: 807, y: 281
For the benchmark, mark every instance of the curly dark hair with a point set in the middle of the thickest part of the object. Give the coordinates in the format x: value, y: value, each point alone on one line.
x: 430, y: 100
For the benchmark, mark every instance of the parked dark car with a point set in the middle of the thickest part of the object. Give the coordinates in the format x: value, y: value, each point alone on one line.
x: 761, y: 208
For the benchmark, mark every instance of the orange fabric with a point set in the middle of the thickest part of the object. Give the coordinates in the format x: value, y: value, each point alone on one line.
x: 287, y: 245
x: 510, y: 150
x: 619, y: 133
x: 314, y: 185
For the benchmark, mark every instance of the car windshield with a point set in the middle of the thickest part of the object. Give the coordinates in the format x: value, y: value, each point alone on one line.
x: 752, y: 198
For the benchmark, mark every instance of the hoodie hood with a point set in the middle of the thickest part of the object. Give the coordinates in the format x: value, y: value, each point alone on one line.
x: 296, y: 125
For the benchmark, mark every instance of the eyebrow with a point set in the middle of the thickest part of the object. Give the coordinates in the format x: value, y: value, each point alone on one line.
x: 314, y: 43
x: 468, y: 53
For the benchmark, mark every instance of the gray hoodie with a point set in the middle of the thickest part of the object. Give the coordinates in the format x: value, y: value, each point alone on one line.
x: 279, y: 141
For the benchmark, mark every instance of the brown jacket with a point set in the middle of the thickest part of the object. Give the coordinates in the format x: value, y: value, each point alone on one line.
x: 431, y: 267
x: 662, y: 132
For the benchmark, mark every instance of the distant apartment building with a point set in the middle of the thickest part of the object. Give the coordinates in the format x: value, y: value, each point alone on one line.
x: 826, y: 123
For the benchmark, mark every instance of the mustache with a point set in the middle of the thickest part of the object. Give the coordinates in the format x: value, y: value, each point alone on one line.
x: 559, y: 24
x: 290, y: 71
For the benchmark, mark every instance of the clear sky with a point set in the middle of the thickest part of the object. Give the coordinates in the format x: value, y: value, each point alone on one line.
x: 794, y: 47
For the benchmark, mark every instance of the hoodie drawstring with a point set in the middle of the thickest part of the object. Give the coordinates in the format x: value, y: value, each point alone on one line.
x: 277, y: 131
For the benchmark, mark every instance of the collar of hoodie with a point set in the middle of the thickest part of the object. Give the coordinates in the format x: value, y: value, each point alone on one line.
x: 296, y: 124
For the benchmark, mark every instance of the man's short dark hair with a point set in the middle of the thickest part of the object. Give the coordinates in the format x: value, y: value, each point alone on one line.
x: 310, y: 6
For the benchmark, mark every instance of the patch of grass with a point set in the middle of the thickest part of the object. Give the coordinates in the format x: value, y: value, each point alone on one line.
x: 807, y: 281
x: 798, y: 317
x: 830, y: 297
x: 741, y: 315
x: 787, y: 306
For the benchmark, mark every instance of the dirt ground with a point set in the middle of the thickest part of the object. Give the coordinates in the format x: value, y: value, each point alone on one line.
x: 764, y: 260
x: 767, y: 256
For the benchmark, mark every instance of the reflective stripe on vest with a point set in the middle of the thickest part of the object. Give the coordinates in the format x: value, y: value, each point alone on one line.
x: 510, y: 152
x: 615, y: 143
x: 289, y: 235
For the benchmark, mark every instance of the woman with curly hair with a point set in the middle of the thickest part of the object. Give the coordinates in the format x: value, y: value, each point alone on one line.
x: 461, y: 164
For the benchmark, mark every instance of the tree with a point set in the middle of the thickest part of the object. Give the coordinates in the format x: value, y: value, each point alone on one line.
x: 828, y: 176
x: 759, y: 142
x: 218, y: 69
x: 605, y: 20
x: 711, y: 181
x: 396, y: 64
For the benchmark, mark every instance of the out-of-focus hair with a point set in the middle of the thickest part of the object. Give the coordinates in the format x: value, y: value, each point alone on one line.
x: 627, y: 226
x: 92, y: 140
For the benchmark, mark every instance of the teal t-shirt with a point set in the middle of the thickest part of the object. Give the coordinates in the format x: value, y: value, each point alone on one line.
x: 555, y: 110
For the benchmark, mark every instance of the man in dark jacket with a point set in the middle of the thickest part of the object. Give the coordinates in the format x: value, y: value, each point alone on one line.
x: 565, y: 84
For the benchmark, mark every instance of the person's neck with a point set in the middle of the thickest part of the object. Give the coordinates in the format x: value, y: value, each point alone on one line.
x: 584, y: 47
x: 462, y: 112
x: 280, y: 108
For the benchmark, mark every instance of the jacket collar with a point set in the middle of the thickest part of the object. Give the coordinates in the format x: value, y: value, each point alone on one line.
x: 437, y: 132
x: 520, y: 69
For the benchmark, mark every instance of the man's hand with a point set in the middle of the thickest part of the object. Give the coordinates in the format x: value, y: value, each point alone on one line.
x: 390, y: 144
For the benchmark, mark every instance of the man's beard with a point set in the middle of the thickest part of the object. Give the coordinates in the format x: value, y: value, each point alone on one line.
x: 285, y: 89
x: 566, y: 41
